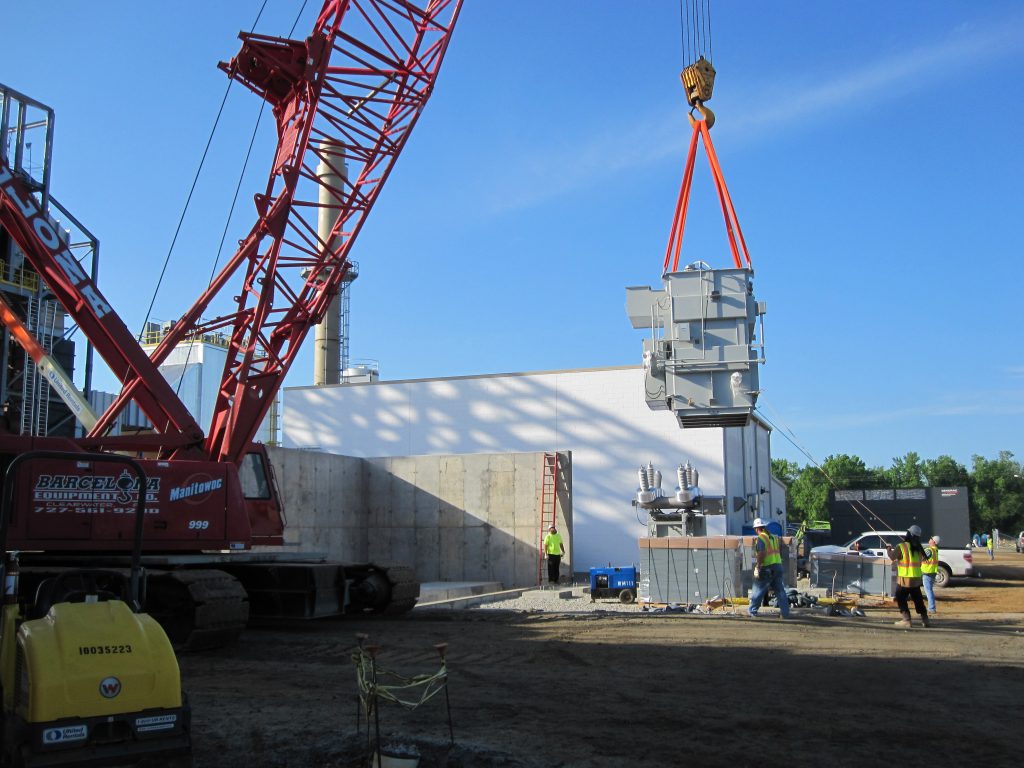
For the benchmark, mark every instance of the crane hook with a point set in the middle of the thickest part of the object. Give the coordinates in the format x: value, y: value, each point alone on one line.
x: 709, y: 116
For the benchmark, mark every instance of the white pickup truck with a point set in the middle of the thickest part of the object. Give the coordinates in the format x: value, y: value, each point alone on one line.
x: 952, y: 562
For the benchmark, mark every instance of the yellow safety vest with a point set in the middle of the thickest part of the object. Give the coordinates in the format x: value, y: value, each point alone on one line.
x: 771, y: 549
x: 930, y: 564
x: 909, y: 564
x: 553, y: 544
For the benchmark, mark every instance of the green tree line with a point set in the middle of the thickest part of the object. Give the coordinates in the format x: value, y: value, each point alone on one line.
x: 995, y: 486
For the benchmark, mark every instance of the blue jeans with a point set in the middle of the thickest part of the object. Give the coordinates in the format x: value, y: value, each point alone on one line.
x: 929, y: 590
x: 771, y: 578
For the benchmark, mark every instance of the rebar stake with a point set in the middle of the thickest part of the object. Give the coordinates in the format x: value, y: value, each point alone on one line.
x: 442, y: 648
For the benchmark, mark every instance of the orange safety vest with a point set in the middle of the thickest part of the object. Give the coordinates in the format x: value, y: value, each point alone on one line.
x: 930, y: 564
x: 771, y: 549
x: 909, y: 564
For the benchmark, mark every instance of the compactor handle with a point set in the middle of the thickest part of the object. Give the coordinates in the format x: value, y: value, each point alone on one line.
x: 7, y: 501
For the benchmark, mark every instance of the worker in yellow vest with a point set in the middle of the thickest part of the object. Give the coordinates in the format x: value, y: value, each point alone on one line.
x: 930, y: 567
x: 554, y: 549
x: 767, y: 571
x: 908, y: 557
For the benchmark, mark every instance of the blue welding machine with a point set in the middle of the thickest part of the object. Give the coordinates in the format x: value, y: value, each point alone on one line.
x: 613, y: 581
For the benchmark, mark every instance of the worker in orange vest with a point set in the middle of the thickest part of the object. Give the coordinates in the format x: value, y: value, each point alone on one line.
x: 908, y: 557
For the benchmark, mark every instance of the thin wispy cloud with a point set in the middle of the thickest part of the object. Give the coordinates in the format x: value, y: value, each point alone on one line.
x: 888, y: 77
x: 1000, y: 403
x: 545, y: 173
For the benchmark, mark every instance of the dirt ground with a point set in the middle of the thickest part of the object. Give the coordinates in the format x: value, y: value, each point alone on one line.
x: 612, y: 690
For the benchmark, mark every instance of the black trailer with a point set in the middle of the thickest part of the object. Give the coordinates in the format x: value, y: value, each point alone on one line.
x: 940, y: 510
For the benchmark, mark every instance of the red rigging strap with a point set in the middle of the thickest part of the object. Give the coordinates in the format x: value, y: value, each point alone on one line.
x: 732, y: 223
x: 347, y: 96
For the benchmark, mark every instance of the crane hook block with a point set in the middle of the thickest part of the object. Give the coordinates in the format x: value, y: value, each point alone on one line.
x: 698, y: 81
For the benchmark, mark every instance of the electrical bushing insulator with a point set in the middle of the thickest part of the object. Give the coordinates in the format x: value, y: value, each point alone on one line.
x: 642, y: 477
x: 692, y: 475
x: 657, y: 480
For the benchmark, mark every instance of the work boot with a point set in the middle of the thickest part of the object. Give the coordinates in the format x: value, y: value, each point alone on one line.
x: 904, y: 620
x: 924, y: 620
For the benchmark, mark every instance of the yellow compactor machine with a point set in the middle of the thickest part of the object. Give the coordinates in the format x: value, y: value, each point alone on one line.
x: 87, y: 678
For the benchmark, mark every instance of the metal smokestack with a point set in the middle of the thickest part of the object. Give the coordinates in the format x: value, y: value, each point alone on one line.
x: 332, y: 173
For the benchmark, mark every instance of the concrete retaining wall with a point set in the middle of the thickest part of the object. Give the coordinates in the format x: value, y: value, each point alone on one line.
x: 600, y: 415
x: 454, y: 518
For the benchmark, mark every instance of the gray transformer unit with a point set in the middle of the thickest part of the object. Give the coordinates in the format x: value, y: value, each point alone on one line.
x: 701, y: 361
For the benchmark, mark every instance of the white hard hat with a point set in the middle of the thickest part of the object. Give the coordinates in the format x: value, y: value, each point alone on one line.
x: 914, y: 530
x: 759, y: 523
x: 937, y: 539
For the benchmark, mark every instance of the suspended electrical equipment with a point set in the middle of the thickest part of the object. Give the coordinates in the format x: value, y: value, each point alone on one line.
x: 701, y: 361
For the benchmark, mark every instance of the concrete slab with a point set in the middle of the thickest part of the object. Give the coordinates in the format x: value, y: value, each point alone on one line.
x: 433, y: 591
x: 470, y: 601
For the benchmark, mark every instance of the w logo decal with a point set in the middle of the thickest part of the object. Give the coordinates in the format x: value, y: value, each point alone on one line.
x: 110, y: 687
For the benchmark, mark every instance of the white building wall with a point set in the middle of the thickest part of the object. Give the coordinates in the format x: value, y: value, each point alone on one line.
x: 599, y: 414
x: 194, y: 370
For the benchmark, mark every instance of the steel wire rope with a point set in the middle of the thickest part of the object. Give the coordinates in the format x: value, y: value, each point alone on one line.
x: 689, y: 28
x: 711, y: 48
x: 238, y: 187
x: 699, y: 16
x: 791, y: 437
x: 704, y: 29
x: 192, y: 189
x: 682, y: 33
x: 706, y: 25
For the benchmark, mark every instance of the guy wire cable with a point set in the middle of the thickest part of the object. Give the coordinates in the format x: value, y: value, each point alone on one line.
x: 835, y: 486
x: 853, y: 504
x: 789, y: 435
x: 192, y: 189
x: 238, y: 187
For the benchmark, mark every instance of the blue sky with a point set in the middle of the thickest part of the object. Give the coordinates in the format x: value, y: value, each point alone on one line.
x: 872, y: 150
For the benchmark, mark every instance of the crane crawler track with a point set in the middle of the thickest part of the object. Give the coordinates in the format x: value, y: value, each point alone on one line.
x: 199, y: 609
x: 405, y: 590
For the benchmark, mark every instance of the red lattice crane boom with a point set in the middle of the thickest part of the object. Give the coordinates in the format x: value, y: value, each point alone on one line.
x: 349, y: 94
x: 362, y: 90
